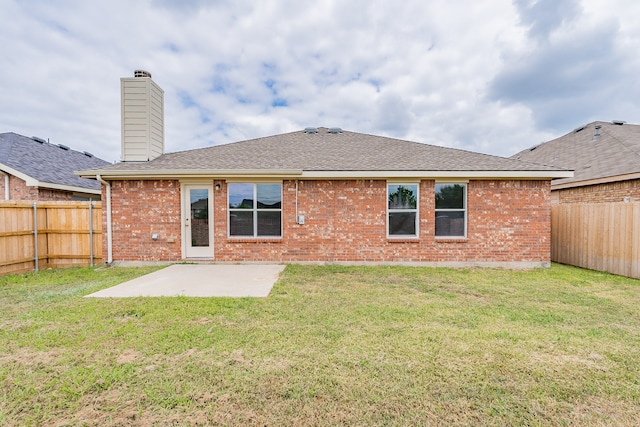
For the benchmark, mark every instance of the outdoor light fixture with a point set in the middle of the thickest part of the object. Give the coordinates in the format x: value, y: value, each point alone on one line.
x: 217, y: 187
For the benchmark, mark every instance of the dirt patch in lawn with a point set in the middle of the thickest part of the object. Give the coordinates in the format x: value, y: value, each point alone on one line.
x: 128, y: 356
x: 31, y: 358
x: 592, y: 360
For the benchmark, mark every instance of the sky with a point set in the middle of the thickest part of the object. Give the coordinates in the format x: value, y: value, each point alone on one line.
x: 491, y: 76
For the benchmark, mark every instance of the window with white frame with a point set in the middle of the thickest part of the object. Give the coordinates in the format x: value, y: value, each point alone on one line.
x: 402, y: 210
x: 451, y: 210
x: 255, y: 210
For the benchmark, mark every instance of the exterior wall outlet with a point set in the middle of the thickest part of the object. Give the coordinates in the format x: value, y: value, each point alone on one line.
x: 154, y: 236
x: 301, y: 219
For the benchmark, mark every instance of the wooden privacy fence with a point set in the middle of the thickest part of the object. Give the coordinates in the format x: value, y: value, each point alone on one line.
x: 49, y: 234
x: 598, y: 236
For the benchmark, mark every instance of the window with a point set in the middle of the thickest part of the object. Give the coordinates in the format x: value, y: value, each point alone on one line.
x: 402, y: 210
x: 451, y: 210
x: 255, y: 210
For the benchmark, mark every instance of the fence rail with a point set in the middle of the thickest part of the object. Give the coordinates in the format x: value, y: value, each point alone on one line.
x: 49, y: 235
x: 598, y: 236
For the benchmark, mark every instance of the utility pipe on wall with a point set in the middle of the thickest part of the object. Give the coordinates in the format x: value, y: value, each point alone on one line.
x: 109, y: 231
x: 7, y: 193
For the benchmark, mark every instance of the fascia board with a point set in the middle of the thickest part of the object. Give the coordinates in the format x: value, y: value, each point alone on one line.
x: 187, y: 173
x: 32, y: 182
x: 299, y: 174
x: 437, y: 174
x: 596, y: 181
x: 72, y: 188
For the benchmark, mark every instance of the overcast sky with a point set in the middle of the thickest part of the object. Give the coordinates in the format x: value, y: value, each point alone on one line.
x: 492, y: 76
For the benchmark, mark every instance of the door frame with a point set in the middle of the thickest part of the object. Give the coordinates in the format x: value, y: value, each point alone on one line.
x: 188, y: 251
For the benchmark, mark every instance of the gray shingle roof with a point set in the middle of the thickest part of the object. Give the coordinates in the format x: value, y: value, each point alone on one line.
x: 324, y: 151
x: 47, y: 163
x: 615, y: 152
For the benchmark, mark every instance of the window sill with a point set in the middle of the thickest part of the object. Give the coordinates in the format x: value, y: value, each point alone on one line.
x: 254, y: 239
x: 452, y: 239
x: 403, y: 239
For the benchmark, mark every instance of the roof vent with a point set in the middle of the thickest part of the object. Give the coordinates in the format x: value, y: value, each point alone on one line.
x: 618, y: 122
x: 38, y: 139
x: 310, y: 130
x: 88, y: 154
x: 141, y: 73
x: 335, y: 130
x: 579, y: 128
x: 64, y: 147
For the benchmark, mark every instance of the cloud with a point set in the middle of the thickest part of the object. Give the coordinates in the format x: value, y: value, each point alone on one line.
x: 571, y: 71
x: 393, y: 114
x: 567, y: 67
x: 542, y: 17
x: 487, y: 76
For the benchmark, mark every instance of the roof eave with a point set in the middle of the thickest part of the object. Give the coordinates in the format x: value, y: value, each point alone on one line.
x: 32, y: 182
x: 186, y: 173
x: 71, y: 188
x: 319, y: 174
x: 596, y: 181
x: 484, y: 174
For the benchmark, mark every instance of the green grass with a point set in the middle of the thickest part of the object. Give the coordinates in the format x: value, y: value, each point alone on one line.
x: 330, y: 346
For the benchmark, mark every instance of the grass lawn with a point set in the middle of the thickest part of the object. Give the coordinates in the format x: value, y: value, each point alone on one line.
x: 331, y: 346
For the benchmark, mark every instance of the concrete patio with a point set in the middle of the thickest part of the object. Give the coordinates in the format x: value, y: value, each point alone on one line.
x: 200, y: 280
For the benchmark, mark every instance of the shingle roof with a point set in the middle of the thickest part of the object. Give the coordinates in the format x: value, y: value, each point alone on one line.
x: 616, y: 151
x: 47, y: 163
x: 325, y: 151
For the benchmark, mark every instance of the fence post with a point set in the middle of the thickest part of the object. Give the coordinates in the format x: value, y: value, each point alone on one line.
x: 35, y: 233
x: 91, y: 233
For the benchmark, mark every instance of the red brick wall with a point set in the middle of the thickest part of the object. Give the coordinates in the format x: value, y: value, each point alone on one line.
x: 18, y: 190
x: 51, y: 195
x: 600, y: 193
x: 508, y: 222
x: 139, y: 209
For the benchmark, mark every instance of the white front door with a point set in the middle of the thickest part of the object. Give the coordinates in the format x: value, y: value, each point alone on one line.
x: 197, y: 220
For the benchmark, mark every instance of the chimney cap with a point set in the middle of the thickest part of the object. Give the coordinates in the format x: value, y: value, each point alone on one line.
x: 141, y: 73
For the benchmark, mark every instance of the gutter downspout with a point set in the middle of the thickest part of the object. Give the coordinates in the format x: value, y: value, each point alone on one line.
x: 109, y: 230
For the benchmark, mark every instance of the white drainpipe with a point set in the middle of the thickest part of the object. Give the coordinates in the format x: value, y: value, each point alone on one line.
x: 7, y: 193
x: 109, y: 231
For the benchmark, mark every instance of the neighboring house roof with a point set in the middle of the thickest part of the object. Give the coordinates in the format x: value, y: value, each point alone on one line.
x: 605, y: 154
x: 327, y: 155
x: 47, y: 165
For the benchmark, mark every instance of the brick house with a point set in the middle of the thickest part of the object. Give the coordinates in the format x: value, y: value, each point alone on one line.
x: 605, y: 157
x: 32, y: 169
x: 318, y: 195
